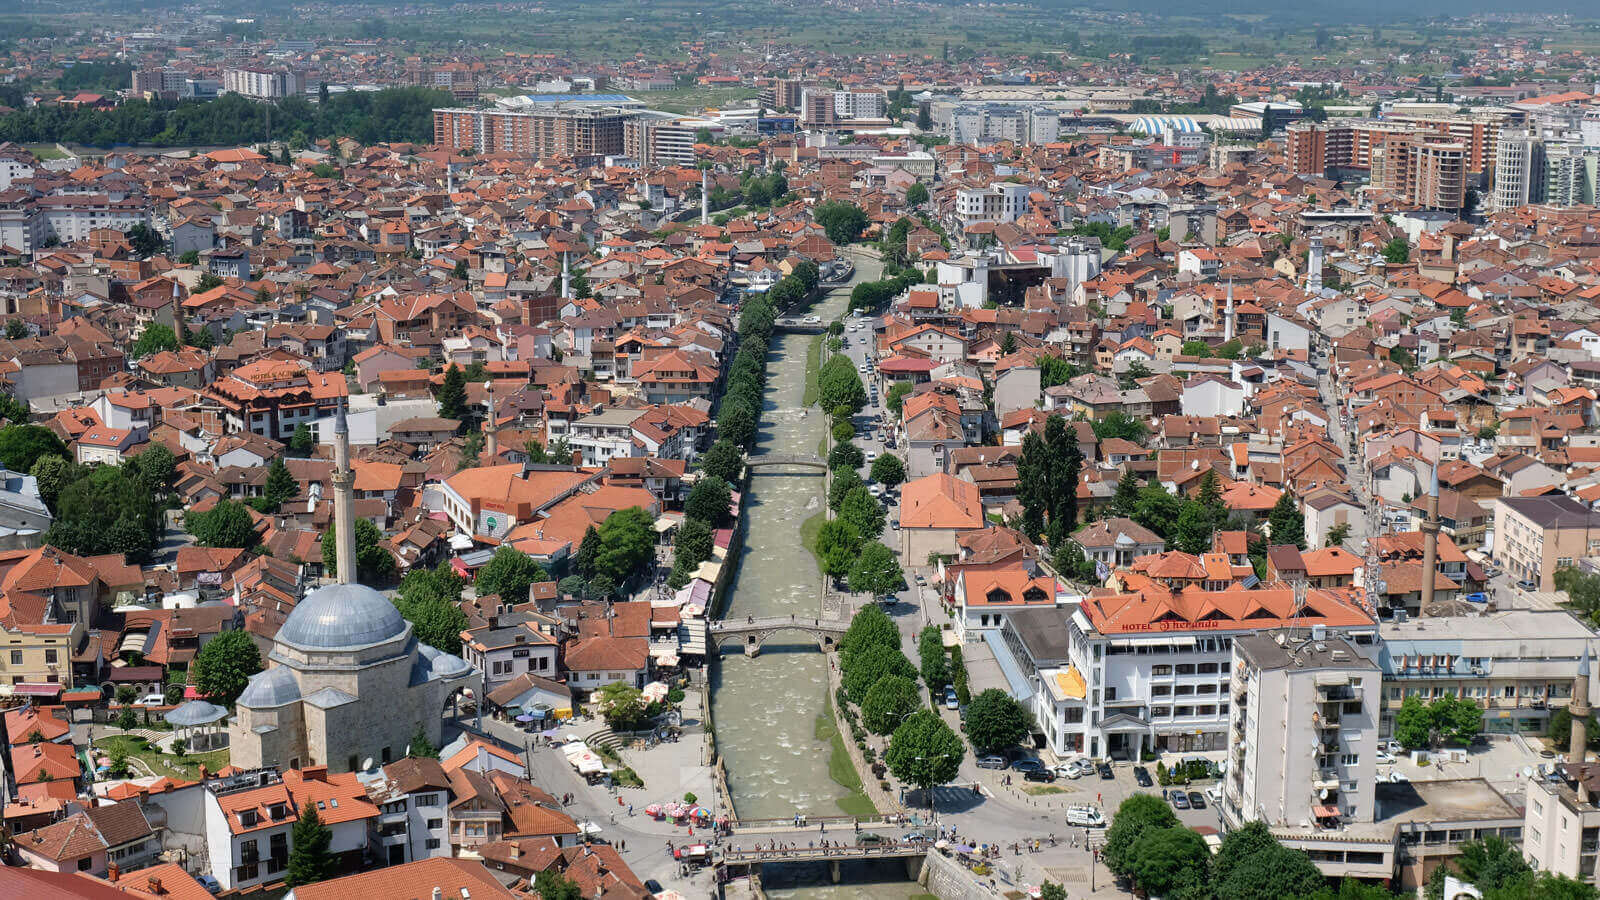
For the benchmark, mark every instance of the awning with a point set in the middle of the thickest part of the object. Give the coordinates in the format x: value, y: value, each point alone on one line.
x: 1021, y: 688
x: 1325, y: 812
x: 36, y: 690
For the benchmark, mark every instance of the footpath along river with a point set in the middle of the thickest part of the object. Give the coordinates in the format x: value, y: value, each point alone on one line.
x: 766, y: 709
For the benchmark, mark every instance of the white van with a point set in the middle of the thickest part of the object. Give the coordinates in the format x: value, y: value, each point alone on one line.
x: 1085, y: 817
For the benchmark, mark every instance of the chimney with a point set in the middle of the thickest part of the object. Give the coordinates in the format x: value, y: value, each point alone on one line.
x: 315, y: 773
x: 516, y: 851
x: 438, y: 894
x: 154, y: 886
x: 113, y: 872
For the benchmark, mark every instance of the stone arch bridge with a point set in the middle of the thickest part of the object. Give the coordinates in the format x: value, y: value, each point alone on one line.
x: 775, y: 460
x: 755, y: 630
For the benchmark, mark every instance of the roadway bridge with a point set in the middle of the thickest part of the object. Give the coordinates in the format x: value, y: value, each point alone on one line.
x: 803, y: 460
x: 736, y: 861
x: 755, y: 630
x: 793, y: 325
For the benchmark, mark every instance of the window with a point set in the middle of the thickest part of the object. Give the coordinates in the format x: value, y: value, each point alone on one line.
x: 427, y: 799
x: 431, y: 843
x: 85, y: 863
x: 16, y: 657
x: 1349, y: 759
x: 1186, y: 668
x: 1111, y: 694
x: 50, y: 657
x: 1184, y: 690
x: 1161, y: 690
x: 434, y: 824
x: 1160, y: 670
x: 387, y: 753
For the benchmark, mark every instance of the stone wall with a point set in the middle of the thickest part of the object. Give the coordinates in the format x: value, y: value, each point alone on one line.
x: 950, y: 880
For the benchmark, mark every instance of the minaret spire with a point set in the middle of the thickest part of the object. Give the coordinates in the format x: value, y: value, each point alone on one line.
x: 705, y: 196
x: 1579, y: 709
x: 566, y: 277
x: 491, y: 440
x: 1227, y: 319
x: 1430, y: 541
x: 343, y: 515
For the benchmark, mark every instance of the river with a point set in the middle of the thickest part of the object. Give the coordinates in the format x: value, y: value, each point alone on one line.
x: 766, y: 708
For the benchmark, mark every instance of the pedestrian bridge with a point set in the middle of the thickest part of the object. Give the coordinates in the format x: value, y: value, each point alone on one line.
x: 793, y: 325
x: 802, y: 460
x: 755, y: 630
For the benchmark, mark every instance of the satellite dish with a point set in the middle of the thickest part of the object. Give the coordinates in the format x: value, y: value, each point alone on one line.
x: 366, y: 764
x: 1324, y: 794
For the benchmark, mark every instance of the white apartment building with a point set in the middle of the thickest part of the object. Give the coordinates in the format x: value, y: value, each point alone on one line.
x: 1000, y: 202
x: 262, y: 84
x: 1303, y: 734
x: 605, y: 435
x: 860, y: 104
x: 1561, y: 831
x: 1113, y: 676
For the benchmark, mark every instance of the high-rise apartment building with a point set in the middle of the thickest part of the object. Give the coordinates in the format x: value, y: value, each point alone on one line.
x: 1422, y: 171
x: 262, y: 84
x: 563, y: 131
x: 1519, y: 167
x: 659, y: 142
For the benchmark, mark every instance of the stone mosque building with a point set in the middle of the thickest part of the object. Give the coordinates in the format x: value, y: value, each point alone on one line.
x: 347, y: 683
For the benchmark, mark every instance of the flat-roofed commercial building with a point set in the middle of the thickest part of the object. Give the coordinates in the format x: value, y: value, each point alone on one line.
x: 556, y: 131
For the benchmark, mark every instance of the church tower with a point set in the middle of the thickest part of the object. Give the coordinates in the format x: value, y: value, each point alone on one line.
x: 343, y: 515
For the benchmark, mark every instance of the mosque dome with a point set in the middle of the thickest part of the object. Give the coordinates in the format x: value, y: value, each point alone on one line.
x: 341, y: 617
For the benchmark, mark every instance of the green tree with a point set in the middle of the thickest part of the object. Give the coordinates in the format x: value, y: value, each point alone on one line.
x: 1196, y: 348
x: 627, y: 540
x: 838, y: 544
x: 1337, y: 535
x: 430, y: 600
x: 723, y: 460
x: 694, y: 543
x: 1156, y: 509
x: 1491, y: 864
x: 846, y: 456
x: 420, y: 747
x: 1033, y: 484
x: 459, y: 273
x: 309, y: 858
x: 1413, y: 723
x: 52, y: 474
x: 737, y: 422
x: 888, y: 470
x: 845, y: 482
x: 224, y: 665
x: 280, y: 487
x: 552, y: 885
x: 996, y: 721
x: 510, y: 573
x: 876, y: 571
x: 109, y: 510
x: 1163, y: 858
x: 1456, y: 719
x: 1070, y: 561
x: 22, y: 445
x: 861, y: 670
x: 623, y: 706
x: 302, y: 442
x: 1065, y: 465
x: 869, y: 627
x: 588, y: 552
x: 916, y: 194
x: 863, y: 513
x: 1286, y: 524
x: 1126, y: 498
x: 227, y: 524
x: 1230, y: 350
x: 1054, y: 370
x: 710, y: 502
x: 1136, y: 815
x: 930, y: 652
x: 1257, y: 867
x: 924, y: 752
x: 154, y: 338
x: 843, y: 222
x: 1397, y: 251
x: 453, y: 394
x: 894, y: 400
x: 1120, y: 425
x: 373, y: 562
x: 888, y: 703
x: 144, y: 241
x: 838, y: 384
x: 1191, y: 533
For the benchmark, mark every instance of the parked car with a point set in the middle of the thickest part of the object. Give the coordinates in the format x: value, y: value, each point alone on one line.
x: 151, y: 700
x: 1044, y: 775
x: 1105, y: 771
x: 1027, y: 764
x: 210, y: 883
x: 951, y: 703
x: 1141, y: 776
x: 1069, y: 772
x: 991, y: 761
x: 1180, y: 800
x: 1197, y: 800
x: 1527, y: 585
x: 1384, y: 757
x: 869, y: 839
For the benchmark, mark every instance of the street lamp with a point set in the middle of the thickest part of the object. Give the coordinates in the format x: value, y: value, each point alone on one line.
x: 933, y: 813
